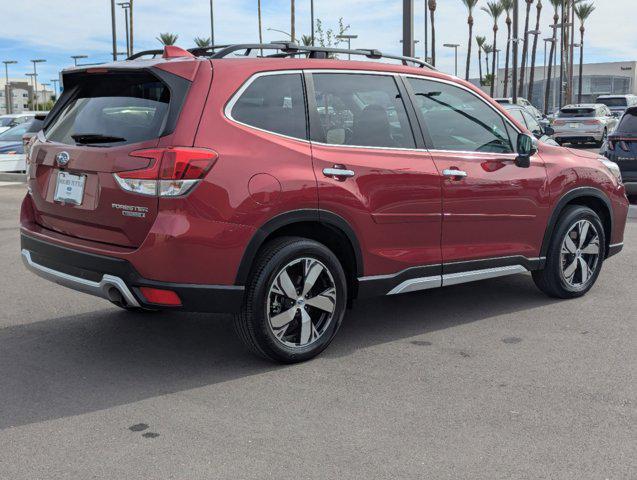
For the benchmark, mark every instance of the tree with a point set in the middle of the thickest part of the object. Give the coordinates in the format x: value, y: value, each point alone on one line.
x: 306, y: 40
x: 167, y: 38
x: 432, y: 14
x: 494, y: 9
x: 327, y: 38
x: 259, y: 20
x: 533, y: 53
x: 583, y: 11
x: 525, y: 46
x: 480, y: 40
x: 470, y: 4
x: 292, y: 21
x: 507, y: 5
x: 488, y: 50
x: 202, y: 42
x: 549, y: 73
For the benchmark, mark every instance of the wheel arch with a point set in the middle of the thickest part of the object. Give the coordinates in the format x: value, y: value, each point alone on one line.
x: 590, y: 197
x: 323, y: 226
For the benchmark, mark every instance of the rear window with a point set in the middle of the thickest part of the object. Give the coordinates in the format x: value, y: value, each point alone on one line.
x: 613, y: 102
x: 628, y: 124
x: 576, y: 112
x: 274, y: 103
x: 114, y: 109
x: 14, y: 134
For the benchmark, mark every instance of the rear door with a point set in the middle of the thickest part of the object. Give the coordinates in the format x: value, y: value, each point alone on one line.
x: 371, y: 172
x: 104, y: 117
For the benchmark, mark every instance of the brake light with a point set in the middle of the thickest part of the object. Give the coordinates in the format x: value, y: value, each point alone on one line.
x: 160, y: 296
x: 172, y: 171
x: 559, y: 122
x: 592, y: 122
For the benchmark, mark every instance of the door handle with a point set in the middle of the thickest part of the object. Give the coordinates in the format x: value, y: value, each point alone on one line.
x: 338, y: 172
x: 452, y: 172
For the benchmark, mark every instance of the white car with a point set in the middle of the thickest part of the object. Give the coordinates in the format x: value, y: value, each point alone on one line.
x: 584, y: 123
x: 12, y: 145
x: 14, y: 119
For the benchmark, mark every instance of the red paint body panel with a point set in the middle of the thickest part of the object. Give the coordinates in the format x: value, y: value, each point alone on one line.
x: 403, y: 212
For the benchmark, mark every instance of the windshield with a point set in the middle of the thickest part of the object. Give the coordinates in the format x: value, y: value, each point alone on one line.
x: 15, y: 134
x: 613, y: 102
x: 576, y: 112
x: 125, y: 109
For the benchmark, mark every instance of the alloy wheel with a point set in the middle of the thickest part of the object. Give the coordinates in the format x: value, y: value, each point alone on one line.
x: 579, y: 255
x: 301, y: 302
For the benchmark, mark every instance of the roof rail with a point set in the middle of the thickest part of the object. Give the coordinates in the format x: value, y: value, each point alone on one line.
x: 287, y: 49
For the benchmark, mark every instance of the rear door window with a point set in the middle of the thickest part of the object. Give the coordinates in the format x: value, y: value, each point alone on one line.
x: 614, y: 102
x: 273, y: 102
x: 361, y: 110
x: 115, y: 109
x: 456, y: 119
x: 576, y: 112
x: 628, y: 124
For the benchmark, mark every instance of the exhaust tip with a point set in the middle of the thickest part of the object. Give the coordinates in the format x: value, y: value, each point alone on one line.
x: 116, y: 297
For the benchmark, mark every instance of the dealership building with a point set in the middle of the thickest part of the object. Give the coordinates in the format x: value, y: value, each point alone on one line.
x: 612, y: 78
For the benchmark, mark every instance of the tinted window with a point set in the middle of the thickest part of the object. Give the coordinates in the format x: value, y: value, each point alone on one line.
x: 274, y: 103
x: 628, y: 124
x: 14, y: 134
x: 458, y: 120
x: 532, y: 123
x: 362, y: 110
x: 6, y: 121
x: 576, y: 112
x: 120, y: 109
x: 613, y: 102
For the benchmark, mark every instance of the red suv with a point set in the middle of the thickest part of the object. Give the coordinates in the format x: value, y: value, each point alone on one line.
x: 283, y: 186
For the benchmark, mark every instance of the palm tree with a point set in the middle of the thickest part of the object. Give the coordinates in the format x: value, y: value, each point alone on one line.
x: 306, y: 40
x: 507, y: 5
x: 534, y: 51
x: 432, y: 12
x: 470, y: 4
x: 202, y: 42
x: 549, y: 73
x: 480, y: 40
x: 494, y: 9
x: 292, y: 21
x: 488, y: 49
x: 167, y: 38
x: 525, y: 46
x: 259, y: 19
x: 583, y: 11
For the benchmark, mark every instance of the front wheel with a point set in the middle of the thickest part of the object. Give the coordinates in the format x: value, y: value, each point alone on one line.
x: 295, y: 301
x: 575, y: 256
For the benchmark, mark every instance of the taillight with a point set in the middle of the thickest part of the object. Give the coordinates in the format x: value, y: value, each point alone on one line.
x: 559, y: 122
x: 624, y: 146
x: 592, y: 122
x: 172, y: 171
x: 611, y: 144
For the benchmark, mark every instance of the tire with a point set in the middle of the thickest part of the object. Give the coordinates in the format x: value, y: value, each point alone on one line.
x: 556, y: 279
x: 275, y: 325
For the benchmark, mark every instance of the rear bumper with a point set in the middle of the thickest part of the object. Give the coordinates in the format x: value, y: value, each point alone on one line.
x: 569, y: 137
x: 116, y: 280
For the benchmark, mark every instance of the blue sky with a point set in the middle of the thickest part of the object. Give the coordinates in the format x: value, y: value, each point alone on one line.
x: 56, y: 29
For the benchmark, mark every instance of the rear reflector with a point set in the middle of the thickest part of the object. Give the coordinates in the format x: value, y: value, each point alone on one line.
x: 171, y: 172
x: 160, y: 297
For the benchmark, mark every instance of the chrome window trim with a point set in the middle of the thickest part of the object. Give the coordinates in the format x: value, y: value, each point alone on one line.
x: 462, y: 87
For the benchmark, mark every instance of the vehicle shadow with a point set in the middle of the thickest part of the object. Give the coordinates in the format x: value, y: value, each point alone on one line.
x: 84, y: 363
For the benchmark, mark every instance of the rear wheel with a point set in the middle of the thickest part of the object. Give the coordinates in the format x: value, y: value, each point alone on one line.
x: 575, y: 254
x: 295, y: 301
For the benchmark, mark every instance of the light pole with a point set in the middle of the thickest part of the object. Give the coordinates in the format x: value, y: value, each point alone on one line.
x: 55, y: 81
x: 35, y: 78
x: 7, y: 87
x: 516, y: 11
x: 349, y: 39
x: 31, y: 76
x: 78, y: 57
x: 212, y: 23
x: 126, y: 6
x: 426, y: 32
x: 312, y: 20
x: 455, y: 47
x: 547, y: 78
x: 44, y: 85
x: 562, y: 45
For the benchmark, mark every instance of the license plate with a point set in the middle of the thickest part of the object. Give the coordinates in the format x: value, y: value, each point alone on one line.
x: 573, y: 125
x: 69, y: 188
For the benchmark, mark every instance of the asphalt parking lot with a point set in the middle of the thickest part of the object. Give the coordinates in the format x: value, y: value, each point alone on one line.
x: 488, y: 380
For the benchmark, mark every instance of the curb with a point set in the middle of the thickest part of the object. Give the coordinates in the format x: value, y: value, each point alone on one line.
x: 13, y: 177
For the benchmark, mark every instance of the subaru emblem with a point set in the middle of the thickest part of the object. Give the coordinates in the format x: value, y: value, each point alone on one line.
x: 62, y: 158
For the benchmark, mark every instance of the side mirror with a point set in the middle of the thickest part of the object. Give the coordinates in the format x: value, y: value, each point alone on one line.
x: 526, y: 148
x: 549, y: 131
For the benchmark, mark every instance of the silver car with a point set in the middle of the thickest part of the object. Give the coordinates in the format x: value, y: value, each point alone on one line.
x: 584, y: 123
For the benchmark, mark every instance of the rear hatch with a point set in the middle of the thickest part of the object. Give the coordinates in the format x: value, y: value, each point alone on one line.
x: 102, y: 117
x: 615, y: 104
x: 622, y: 145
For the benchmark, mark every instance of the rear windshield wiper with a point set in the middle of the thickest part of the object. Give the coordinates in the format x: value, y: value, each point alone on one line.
x: 87, y: 138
